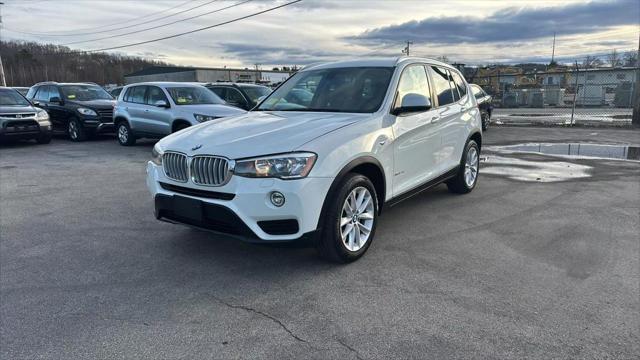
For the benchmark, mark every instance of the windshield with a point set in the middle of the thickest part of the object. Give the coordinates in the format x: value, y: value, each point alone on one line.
x: 193, y: 95
x: 352, y: 89
x: 255, y: 92
x: 10, y: 97
x: 84, y: 92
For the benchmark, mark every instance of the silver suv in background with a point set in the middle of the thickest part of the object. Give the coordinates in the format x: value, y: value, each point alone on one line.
x: 157, y: 109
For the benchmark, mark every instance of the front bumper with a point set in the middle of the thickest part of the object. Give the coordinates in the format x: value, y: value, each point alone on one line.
x: 99, y: 127
x: 241, y: 207
x: 24, y: 131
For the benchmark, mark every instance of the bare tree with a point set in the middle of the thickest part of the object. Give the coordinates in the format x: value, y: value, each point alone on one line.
x: 591, y: 62
x: 614, y: 59
x: 29, y: 62
x: 631, y: 58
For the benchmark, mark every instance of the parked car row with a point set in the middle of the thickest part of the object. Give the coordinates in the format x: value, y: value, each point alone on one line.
x: 317, y: 159
x: 154, y: 110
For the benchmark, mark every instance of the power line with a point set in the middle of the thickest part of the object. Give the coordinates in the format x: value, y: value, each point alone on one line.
x: 129, y: 20
x: 157, y: 26
x: 119, y: 28
x: 179, y: 34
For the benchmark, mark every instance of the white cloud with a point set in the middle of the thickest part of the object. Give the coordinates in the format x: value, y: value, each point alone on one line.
x: 308, y: 31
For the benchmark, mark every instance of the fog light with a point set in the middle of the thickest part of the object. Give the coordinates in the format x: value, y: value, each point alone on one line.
x: 277, y: 198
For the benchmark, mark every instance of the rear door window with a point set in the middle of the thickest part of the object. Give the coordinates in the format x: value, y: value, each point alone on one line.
x: 220, y: 91
x: 442, y: 85
x: 54, y: 92
x: 460, y: 84
x: 454, y: 88
x: 43, y: 93
x: 135, y: 94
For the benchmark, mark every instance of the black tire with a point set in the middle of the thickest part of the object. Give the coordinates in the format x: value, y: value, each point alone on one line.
x: 44, y: 138
x: 459, y: 183
x: 180, y: 126
x: 485, y: 121
x: 76, y: 130
x: 330, y: 243
x: 124, y: 135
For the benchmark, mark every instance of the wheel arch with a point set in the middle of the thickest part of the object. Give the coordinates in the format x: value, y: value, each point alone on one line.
x: 176, y: 122
x: 365, y: 165
x: 477, y: 137
x: 118, y: 119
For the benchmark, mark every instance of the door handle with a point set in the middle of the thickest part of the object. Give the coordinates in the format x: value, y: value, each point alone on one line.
x: 435, y: 119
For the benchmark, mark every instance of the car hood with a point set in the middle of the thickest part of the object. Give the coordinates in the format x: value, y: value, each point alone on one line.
x: 17, y: 109
x: 256, y: 133
x: 94, y: 104
x: 218, y: 110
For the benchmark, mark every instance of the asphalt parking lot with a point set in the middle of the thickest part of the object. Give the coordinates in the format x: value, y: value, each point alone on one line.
x: 514, y: 269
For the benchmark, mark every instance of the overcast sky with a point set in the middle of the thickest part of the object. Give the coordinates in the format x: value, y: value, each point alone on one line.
x: 472, y: 32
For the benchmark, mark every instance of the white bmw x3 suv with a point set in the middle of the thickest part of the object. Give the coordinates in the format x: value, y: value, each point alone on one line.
x: 323, y: 154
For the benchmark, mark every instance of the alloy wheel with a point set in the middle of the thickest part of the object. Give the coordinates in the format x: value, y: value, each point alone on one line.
x: 123, y: 134
x: 357, y: 217
x: 471, y: 167
x: 73, y: 130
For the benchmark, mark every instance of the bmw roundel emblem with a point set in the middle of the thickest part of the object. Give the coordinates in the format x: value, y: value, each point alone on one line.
x: 196, y: 147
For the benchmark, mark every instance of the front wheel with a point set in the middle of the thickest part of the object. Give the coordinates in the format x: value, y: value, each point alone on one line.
x: 467, y: 176
x: 350, y: 223
x: 76, y: 131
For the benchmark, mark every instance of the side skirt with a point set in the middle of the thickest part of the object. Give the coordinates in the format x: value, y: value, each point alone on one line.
x: 426, y: 186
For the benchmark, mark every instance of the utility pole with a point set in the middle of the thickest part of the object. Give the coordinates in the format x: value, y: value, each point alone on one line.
x: 406, y: 50
x: 3, y: 80
x: 635, y: 118
x: 553, y: 51
x: 258, y: 76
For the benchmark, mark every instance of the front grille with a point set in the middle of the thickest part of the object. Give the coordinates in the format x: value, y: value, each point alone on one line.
x: 196, y: 192
x: 106, y: 115
x: 22, y: 126
x: 17, y: 116
x: 210, y: 170
x: 175, y: 166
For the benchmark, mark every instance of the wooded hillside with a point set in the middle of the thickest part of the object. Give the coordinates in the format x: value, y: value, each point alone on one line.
x: 26, y: 63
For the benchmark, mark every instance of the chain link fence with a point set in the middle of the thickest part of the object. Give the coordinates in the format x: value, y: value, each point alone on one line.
x: 569, y: 96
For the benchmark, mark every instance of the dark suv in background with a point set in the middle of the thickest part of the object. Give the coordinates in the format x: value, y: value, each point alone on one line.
x: 244, y: 96
x: 79, y: 109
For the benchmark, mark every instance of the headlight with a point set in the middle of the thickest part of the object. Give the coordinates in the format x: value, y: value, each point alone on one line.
x: 156, y: 155
x: 88, y: 112
x: 284, y: 166
x: 42, y: 116
x: 203, y: 118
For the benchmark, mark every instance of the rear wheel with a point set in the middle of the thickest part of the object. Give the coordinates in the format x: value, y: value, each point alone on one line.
x: 467, y: 176
x: 76, y: 131
x: 350, y: 223
x: 125, y: 137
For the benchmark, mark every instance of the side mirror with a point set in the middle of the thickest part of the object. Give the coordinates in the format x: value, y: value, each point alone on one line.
x: 55, y: 99
x: 412, y: 103
x: 161, y: 103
